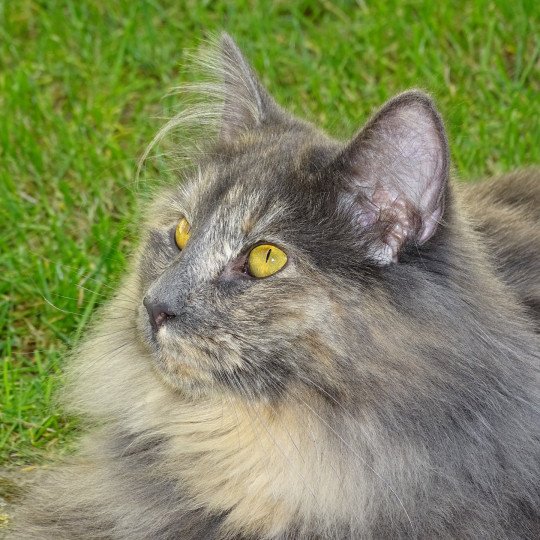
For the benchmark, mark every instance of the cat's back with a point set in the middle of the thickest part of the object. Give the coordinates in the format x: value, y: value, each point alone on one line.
x: 517, y: 191
x: 506, y: 211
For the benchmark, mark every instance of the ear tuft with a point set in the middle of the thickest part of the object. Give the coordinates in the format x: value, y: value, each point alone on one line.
x: 247, y: 104
x: 397, y: 171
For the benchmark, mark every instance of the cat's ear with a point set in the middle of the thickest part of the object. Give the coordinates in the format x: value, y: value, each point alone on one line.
x: 396, y: 172
x: 246, y: 103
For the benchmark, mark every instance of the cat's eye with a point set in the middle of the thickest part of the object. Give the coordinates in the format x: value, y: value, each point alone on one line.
x: 182, y: 233
x: 265, y: 260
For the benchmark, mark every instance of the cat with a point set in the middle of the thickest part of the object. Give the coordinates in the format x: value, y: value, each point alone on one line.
x: 316, y: 340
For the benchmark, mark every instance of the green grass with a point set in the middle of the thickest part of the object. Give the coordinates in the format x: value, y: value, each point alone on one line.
x: 81, y: 86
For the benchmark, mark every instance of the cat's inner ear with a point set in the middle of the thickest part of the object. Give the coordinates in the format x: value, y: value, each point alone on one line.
x: 246, y: 105
x: 396, y: 171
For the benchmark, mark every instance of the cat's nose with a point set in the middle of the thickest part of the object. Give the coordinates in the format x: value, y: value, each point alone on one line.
x: 158, y: 312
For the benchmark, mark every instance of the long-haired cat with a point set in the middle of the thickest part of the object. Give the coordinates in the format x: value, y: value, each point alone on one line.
x: 316, y: 340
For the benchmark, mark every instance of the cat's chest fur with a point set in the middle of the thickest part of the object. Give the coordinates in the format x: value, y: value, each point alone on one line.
x: 263, y: 471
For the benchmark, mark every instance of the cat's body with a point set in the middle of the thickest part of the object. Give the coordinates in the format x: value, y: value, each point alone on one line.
x: 506, y: 211
x: 383, y: 384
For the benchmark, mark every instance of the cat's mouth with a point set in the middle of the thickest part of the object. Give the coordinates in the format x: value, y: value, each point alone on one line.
x: 181, y: 365
x: 186, y: 360
x: 209, y: 360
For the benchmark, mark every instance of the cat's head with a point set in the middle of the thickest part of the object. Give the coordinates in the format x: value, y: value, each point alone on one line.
x: 266, y: 270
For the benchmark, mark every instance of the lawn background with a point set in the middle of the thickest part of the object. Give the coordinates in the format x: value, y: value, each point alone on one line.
x: 81, y: 94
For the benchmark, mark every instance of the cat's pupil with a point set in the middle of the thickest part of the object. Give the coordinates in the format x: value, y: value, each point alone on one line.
x: 268, y: 255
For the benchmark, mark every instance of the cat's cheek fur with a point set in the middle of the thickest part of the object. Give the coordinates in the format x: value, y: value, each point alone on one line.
x: 232, y: 458
x: 282, y: 349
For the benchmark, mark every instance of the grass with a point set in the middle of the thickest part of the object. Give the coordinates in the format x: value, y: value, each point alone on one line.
x: 81, y: 87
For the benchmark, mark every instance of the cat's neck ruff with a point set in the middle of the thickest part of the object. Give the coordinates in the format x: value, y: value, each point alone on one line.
x: 266, y: 466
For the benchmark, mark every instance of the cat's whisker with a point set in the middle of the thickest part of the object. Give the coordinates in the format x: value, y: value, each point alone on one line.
x: 47, y: 301
x: 86, y: 277
x: 125, y: 301
x: 125, y: 293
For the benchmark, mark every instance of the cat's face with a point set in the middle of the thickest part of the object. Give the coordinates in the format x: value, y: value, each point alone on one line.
x: 229, y: 326
x: 328, y: 225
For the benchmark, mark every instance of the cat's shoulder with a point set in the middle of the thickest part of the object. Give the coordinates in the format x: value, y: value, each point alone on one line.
x: 505, y: 212
x: 517, y: 192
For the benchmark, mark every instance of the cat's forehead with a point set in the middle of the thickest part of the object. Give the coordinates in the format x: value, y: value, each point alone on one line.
x: 261, y: 170
x: 260, y: 179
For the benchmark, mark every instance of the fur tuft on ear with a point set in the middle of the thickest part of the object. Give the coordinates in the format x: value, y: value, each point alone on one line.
x: 396, y: 173
x: 229, y: 101
x: 247, y: 104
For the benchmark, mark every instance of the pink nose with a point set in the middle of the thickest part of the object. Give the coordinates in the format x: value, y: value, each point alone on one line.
x: 158, y: 313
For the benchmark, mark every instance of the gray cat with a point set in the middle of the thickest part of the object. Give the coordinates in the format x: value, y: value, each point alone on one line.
x: 316, y: 340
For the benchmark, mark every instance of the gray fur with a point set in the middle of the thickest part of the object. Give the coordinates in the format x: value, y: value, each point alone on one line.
x: 383, y: 384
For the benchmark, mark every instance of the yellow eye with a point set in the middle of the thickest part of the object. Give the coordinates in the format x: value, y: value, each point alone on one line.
x: 265, y: 260
x: 182, y: 233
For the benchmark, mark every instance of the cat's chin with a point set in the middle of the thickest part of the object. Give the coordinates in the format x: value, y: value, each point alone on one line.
x: 195, y: 366
x: 183, y: 373
x: 180, y: 375
x: 194, y: 381
x: 186, y: 380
